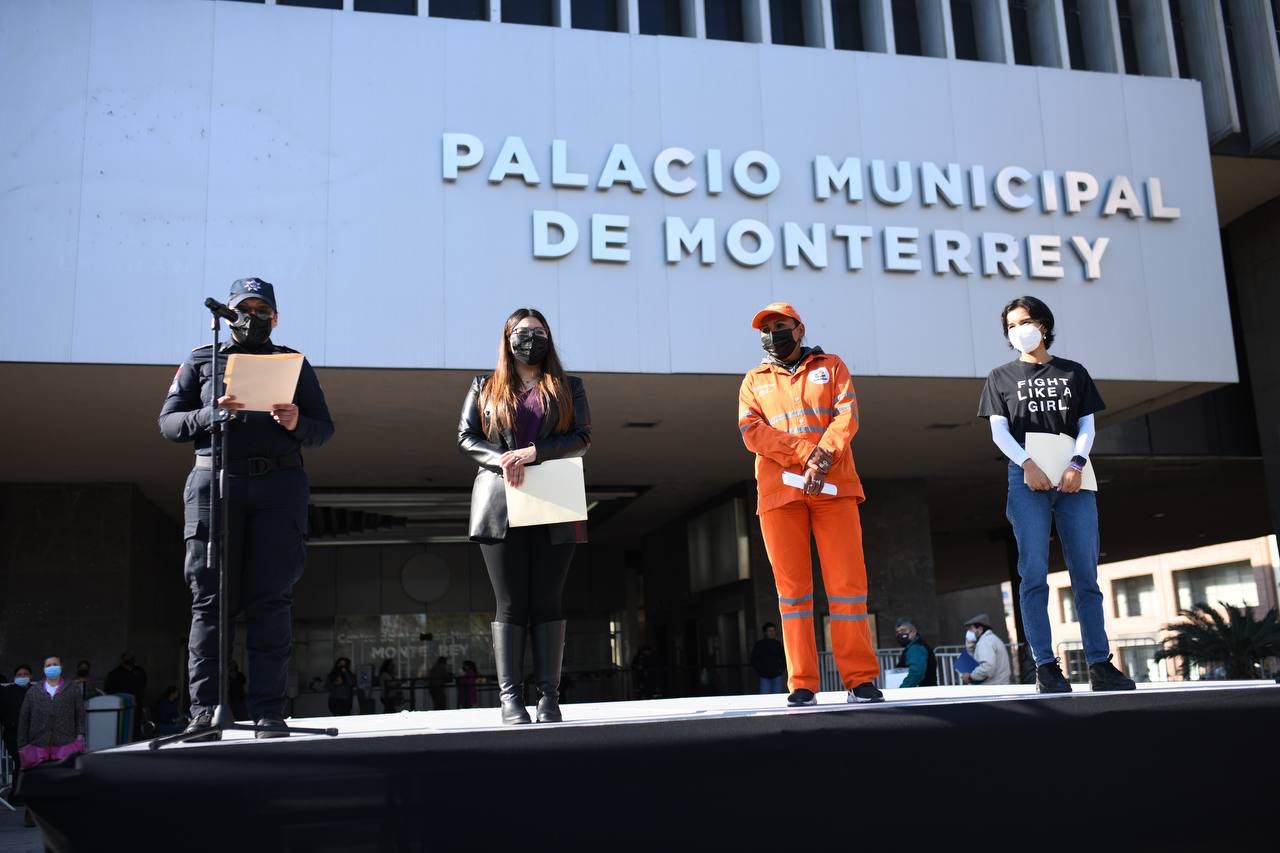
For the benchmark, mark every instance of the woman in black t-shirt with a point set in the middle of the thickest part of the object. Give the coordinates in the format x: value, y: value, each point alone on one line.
x: 1039, y: 393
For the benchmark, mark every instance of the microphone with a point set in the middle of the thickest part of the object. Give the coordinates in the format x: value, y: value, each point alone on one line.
x: 221, y: 310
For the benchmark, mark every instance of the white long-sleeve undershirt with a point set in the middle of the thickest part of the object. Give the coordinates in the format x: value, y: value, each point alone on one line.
x: 1017, y: 453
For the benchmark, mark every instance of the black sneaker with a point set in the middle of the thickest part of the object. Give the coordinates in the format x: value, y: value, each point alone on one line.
x: 1049, y: 678
x: 800, y: 697
x: 270, y: 727
x: 864, y: 692
x: 1104, y: 676
x: 203, y: 720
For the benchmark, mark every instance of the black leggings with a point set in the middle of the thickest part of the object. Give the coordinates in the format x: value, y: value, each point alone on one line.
x: 528, y: 575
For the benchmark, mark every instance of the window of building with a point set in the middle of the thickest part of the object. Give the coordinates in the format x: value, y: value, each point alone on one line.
x: 1134, y: 596
x: 1068, y: 604
x: 964, y: 29
x: 1229, y: 584
x: 1074, y: 664
x: 389, y: 7
x: 786, y: 22
x: 1020, y: 28
x: 313, y: 4
x: 465, y: 10
x: 724, y: 20
x: 906, y: 28
x: 1138, y: 660
x: 594, y: 15
x: 536, y: 12
x: 846, y: 22
x: 660, y: 18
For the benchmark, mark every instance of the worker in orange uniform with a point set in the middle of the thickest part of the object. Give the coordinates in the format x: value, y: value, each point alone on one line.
x: 798, y: 413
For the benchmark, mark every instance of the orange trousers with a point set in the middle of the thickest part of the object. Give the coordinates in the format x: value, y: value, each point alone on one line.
x: 834, y: 523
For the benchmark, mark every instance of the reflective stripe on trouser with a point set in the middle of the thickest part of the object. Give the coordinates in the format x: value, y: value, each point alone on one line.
x: 834, y: 523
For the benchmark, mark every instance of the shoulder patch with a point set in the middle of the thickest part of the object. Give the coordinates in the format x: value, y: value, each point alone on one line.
x: 821, y: 376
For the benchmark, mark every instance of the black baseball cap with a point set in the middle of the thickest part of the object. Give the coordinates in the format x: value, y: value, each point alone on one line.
x: 252, y: 288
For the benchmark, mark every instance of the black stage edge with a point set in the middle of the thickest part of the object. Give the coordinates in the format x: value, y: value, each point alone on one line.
x: 1117, y: 771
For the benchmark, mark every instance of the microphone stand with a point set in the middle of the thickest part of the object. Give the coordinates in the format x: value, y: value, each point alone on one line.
x: 216, y: 555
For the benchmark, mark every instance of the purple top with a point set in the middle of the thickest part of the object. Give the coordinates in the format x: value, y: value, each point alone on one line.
x: 528, y: 419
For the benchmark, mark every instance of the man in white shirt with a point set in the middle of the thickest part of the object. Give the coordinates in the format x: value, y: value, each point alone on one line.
x: 990, y: 653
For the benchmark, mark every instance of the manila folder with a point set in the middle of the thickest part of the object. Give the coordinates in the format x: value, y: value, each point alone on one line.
x: 552, y: 492
x: 262, y: 381
x: 1053, y: 454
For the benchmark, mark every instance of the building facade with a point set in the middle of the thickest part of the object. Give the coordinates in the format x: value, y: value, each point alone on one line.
x: 648, y: 173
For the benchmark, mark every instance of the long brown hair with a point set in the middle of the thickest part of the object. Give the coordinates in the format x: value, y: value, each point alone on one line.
x: 502, y: 390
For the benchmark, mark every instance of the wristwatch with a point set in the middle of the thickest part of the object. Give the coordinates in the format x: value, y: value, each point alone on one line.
x: 1078, y: 462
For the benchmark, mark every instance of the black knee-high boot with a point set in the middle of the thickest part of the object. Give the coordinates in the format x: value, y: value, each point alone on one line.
x: 508, y: 656
x: 548, y: 654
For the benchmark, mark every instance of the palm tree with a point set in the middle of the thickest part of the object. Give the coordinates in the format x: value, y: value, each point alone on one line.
x: 1238, y: 641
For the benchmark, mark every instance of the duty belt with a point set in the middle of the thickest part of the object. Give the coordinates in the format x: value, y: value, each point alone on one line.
x: 256, y: 466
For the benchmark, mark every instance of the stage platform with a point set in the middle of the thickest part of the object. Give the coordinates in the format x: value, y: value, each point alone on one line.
x: 970, y: 764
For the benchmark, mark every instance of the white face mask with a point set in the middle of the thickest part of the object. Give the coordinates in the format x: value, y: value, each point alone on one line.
x: 1025, y: 338
x: 970, y: 637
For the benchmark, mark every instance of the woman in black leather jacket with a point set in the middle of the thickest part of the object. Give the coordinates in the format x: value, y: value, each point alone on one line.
x: 527, y: 411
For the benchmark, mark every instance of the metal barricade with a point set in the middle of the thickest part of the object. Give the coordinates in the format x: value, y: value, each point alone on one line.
x: 6, y: 777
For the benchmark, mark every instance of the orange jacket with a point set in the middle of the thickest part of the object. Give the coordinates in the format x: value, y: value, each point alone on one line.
x: 784, y: 416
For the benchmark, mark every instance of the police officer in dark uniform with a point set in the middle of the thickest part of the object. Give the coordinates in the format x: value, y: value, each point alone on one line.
x: 268, y: 492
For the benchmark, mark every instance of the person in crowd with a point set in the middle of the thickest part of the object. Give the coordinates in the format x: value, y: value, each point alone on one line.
x: 128, y: 678
x: 268, y: 491
x: 437, y: 679
x: 528, y: 411
x: 917, y: 656
x: 468, y: 693
x: 391, y: 695
x: 989, y: 651
x: 798, y: 413
x: 51, y: 722
x: 12, y: 696
x: 84, y: 681
x: 644, y: 667
x: 1039, y: 393
x: 341, y: 684
x: 166, y: 712
x: 769, y: 660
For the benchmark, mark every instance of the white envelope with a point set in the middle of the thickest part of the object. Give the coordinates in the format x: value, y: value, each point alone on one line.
x: 261, y: 381
x: 552, y: 492
x: 1053, y: 454
x: 893, y: 678
x: 797, y: 482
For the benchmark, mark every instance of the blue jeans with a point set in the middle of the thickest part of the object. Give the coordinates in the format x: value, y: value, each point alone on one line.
x: 777, y: 684
x: 1076, y: 517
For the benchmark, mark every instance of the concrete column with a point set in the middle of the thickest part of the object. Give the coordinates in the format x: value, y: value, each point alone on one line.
x: 495, y: 10
x: 756, y: 25
x: 994, y: 34
x: 1254, y: 257
x: 562, y: 13
x: 897, y: 539
x: 629, y: 16
x: 937, y: 37
x: 818, y: 28
x: 1153, y: 35
x: 1206, y: 35
x: 1048, y: 32
x: 1100, y: 24
x: 877, y: 26
x: 1253, y: 29
x: 693, y: 19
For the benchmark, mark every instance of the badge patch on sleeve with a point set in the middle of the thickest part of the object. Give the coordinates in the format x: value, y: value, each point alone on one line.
x: 821, y: 376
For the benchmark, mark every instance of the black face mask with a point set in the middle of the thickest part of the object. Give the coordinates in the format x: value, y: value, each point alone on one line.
x: 904, y: 639
x: 251, y: 330
x: 779, y: 344
x: 531, y: 349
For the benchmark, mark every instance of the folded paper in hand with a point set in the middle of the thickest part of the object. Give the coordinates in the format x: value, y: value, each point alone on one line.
x: 796, y: 481
x: 263, y: 381
x: 893, y: 678
x: 1052, y: 453
x: 552, y: 492
x: 966, y: 663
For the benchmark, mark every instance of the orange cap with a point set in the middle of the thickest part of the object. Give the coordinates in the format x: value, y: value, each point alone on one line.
x: 782, y: 308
